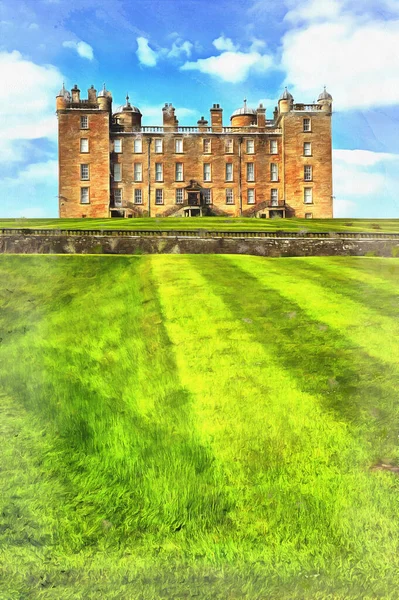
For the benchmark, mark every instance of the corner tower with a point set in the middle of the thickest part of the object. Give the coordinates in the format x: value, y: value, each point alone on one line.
x: 84, y: 153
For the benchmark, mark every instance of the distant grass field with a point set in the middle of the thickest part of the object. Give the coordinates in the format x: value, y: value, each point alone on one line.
x: 209, y: 223
x: 198, y: 426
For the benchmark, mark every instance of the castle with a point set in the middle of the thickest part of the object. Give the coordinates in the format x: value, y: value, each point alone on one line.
x: 112, y: 166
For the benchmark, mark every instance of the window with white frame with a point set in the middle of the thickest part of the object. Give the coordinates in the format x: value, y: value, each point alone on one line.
x: 207, y: 146
x: 308, y: 195
x: 179, y: 145
x: 118, y: 146
x: 250, y: 146
x: 207, y: 172
x: 307, y: 173
x: 251, y: 196
x: 273, y: 147
x: 250, y: 172
x: 84, y: 122
x: 118, y: 197
x: 229, y: 196
x: 158, y: 145
x: 138, y: 196
x: 158, y: 196
x: 308, y: 215
x: 306, y: 124
x: 84, y: 195
x: 179, y: 171
x: 274, y: 172
x: 229, y: 171
x: 179, y: 195
x: 138, y: 145
x: 138, y: 172
x: 229, y: 146
x: 274, y: 197
x: 84, y: 172
x: 158, y: 172
x: 307, y: 149
x: 207, y: 196
x: 84, y: 145
x: 117, y: 172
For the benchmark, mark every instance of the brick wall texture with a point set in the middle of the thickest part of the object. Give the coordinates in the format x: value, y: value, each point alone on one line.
x: 270, y: 168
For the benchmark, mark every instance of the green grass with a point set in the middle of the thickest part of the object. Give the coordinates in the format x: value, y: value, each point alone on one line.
x: 198, y: 426
x: 209, y: 223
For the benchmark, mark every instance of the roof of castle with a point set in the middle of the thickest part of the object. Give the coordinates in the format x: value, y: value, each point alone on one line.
x: 244, y: 110
x: 324, y: 95
x: 286, y: 95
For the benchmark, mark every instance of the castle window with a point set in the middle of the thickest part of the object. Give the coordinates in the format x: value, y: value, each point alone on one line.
x: 308, y: 215
x: 179, y: 171
x: 274, y: 172
x: 138, y: 196
x: 208, y: 196
x: 117, y: 172
x: 229, y: 171
x: 118, y: 146
x: 84, y: 172
x: 229, y: 146
x: 158, y: 172
x: 158, y: 146
x: 307, y: 149
x: 307, y: 173
x: 308, y: 195
x: 306, y: 124
x: 179, y: 145
x: 179, y: 195
x: 118, y: 197
x: 250, y: 146
x: 229, y: 196
x: 84, y: 122
x: 207, y: 172
x: 138, y: 172
x: 273, y: 147
x: 251, y: 196
x: 207, y: 146
x: 250, y: 172
x: 84, y: 195
x: 274, y: 197
x: 158, y: 196
x: 138, y: 145
x: 84, y: 145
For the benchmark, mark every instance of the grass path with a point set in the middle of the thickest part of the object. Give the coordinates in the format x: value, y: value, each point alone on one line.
x: 198, y: 424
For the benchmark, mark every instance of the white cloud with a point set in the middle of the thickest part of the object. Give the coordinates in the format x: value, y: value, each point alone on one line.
x: 145, y: 54
x: 180, y: 47
x: 28, y: 95
x: 224, y: 44
x: 232, y: 67
x: 354, y: 55
x: 363, y: 158
x: 82, y: 48
x: 343, y: 208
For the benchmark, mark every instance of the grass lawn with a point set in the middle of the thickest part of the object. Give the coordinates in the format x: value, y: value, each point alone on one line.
x: 209, y: 223
x: 198, y: 427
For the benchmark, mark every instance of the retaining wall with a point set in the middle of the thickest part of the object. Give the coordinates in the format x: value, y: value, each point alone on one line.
x: 109, y: 244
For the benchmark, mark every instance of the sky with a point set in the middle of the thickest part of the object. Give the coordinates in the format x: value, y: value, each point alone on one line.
x: 194, y: 53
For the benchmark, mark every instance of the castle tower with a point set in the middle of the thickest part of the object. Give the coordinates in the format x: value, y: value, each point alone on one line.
x: 244, y: 116
x: 83, y: 153
x: 285, y: 102
x: 325, y: 101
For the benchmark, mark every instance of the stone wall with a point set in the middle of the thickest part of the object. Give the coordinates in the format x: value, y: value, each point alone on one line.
x: 275, y: 247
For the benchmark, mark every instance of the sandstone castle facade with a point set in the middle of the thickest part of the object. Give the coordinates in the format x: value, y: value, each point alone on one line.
x: 112, y: 166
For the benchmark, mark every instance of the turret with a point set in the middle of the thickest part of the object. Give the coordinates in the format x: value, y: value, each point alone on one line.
x: 285, y: 102
x: 244, y: 116
x: 104, y: 99
x: 130, y: 117
x: 325, y: 101
x: 62, y: 99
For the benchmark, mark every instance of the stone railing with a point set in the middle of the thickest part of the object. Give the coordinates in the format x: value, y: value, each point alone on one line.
x: 119, y: 128
x: 307, y: 107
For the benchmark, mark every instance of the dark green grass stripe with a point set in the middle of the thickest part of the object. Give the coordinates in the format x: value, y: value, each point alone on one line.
x: 324, y: 363
x: 370, y: 296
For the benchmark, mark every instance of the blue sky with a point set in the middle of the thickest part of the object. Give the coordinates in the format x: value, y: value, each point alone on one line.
x: 194, y: 53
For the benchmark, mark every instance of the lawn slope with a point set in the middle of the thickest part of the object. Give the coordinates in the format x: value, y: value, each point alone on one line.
x: 207, y: 425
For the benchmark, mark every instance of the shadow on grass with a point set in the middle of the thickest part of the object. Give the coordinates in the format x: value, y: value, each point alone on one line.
x: 324, y: 363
